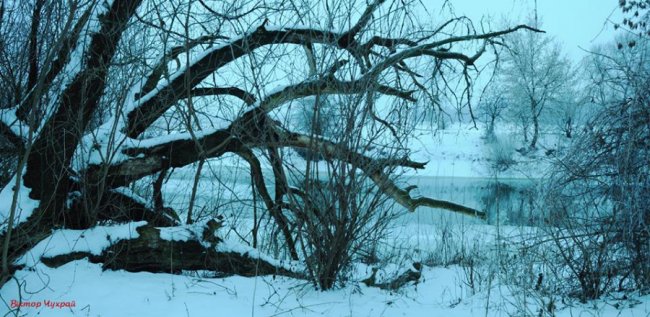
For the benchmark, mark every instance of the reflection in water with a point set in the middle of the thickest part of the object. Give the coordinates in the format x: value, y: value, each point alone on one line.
x: 507, y: 201
x: 511, y: 204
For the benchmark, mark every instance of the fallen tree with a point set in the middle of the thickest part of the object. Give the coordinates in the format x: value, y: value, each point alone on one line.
x: 193, y: 248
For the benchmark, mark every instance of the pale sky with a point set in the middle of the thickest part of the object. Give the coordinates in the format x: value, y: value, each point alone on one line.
x: 575, y: 23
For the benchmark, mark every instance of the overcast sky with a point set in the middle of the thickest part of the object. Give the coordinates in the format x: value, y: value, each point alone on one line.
x: 575, y: 23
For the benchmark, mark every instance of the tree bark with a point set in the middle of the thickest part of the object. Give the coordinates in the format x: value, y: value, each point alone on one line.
x: 151, y: 253
x: 533, y: 141
x: 410, y: 275
x: 47, y: 169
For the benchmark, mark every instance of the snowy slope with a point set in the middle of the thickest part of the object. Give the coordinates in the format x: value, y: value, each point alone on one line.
x: 461, y: 150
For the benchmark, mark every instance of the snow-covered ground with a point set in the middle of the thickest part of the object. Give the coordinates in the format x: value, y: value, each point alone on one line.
x: 107, y: 293
x: 461, y: 150
x: 81, y: 288
x: 460, y: 164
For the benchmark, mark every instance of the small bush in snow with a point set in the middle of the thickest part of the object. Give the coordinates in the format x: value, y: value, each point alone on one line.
x: 500, y: 154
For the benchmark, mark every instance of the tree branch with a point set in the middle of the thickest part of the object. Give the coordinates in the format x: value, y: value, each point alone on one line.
x: 347, y: 39
x: 150, y: 106
x: 64, y: 48
x: 273, y: 207
x: 245, y: 96
x: 327, y: 86
x: 374, y: 169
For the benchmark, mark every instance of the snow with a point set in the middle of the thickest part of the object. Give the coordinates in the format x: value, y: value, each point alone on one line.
x: 24, y: 205
x: 433, y: 237
x: 93, y: 241
x: 461, y: 151
x: 443, y: 290
x: 233, y: 246
x: 457, y: 152
x: 228, y: 245
x: 180, y: 233
x: 8, y: 117
x: 103, y: 145
x: 153, y: 142
x: 119, y: 293
x: 302, y: 27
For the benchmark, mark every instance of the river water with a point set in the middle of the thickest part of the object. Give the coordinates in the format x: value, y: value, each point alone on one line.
x: 507, y: 201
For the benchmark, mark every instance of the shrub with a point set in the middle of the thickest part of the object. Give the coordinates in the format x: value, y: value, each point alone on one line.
x: 338, y: 219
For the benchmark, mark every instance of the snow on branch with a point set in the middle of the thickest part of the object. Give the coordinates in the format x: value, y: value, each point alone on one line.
x: 329, y: 85
x: 244, y: 95
x: 147, y: 108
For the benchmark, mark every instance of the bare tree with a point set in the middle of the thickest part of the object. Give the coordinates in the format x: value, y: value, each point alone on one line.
x: 491, y: 108
x: 115, y: 76
x: 598, y: 196
x: 534, y: 75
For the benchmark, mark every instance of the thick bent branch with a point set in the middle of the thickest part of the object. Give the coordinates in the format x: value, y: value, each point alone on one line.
x: 249, y: 129
x: 253, y: 130
x: 374, y: 168
x: 329, y: 85
x: 152, y: 105
x: 177, y: 153
x: 161, y: 67
x: 244, y: 95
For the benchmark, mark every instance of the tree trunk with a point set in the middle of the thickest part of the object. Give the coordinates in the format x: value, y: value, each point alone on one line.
x: 152, y: 253
x: 535, y: 116
x: 48, y: 173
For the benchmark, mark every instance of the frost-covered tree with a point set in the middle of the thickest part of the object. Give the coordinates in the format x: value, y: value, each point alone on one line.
x: 491, y: 108
x: 97, y: 95
x: 599, y: 191
x: 535, y: 74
